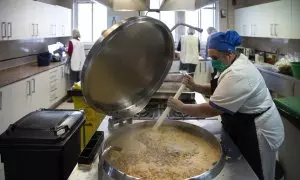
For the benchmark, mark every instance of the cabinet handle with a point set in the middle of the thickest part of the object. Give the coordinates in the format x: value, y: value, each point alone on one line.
x: 9, y: 30
x: 37, y: 30
x: 271, y: 30
x: 33, y: 85
x: 254, y: 30
x: 28, y: 88
x: 33, y: 30
x: 3, y: 29
x: 63, y: 30
x: 54, y: 30
x: 1, y: 100
x: 251, y: 30
x: 275, y: 29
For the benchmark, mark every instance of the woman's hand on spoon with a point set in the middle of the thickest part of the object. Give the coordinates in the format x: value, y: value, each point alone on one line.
x: 188, y: 81
x: 175, y: 104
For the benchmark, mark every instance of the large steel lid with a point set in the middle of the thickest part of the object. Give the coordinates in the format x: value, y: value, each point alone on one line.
x: 128, y: 66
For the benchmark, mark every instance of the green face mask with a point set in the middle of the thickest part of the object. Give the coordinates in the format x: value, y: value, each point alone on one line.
x: 218, y: 65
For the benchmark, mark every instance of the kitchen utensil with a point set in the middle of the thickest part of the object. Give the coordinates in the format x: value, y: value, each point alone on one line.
x: 128, y: 66
x: 111, y: 172
x: 168, y: 109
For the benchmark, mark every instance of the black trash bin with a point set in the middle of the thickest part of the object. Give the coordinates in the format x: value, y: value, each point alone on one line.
x: 43, y: 145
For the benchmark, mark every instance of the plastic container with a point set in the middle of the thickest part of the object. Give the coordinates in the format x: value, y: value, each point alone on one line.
x: 89, y: 153
x: 42, y: 145
x: 296, y: 69
x: 44, y: 59
x: 93, y: 118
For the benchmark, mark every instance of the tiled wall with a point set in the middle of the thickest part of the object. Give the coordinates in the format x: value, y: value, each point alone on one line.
x: 271, y: 45
x: 18, y: 52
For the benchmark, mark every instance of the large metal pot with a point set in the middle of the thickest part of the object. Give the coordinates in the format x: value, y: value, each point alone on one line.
x: 109, y: 172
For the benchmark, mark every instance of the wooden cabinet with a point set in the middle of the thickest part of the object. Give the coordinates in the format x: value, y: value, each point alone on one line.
x: 266, y: 20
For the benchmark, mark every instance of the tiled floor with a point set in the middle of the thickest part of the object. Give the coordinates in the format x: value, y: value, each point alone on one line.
x: 66, y: 105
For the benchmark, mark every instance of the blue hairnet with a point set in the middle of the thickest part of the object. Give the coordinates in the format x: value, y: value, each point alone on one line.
x: 224, y: 41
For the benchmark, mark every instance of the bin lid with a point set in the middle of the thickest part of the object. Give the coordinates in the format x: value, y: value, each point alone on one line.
x: 289, y: 104
x: 127, y: 67
x: 43, y: 127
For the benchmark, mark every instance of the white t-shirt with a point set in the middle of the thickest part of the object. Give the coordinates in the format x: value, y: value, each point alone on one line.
x: 241, y: 88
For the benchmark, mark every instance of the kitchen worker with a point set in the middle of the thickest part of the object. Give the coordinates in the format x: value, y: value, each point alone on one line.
x: 241, y: 97
x: 76, y: 57
x: 189, y: 47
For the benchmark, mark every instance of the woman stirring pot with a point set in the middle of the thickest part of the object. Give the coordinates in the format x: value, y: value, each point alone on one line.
x: 241, y: 97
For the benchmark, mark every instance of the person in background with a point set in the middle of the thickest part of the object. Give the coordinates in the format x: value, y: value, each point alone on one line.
x: 189, y: 47
x: 76, y: 57
x: 215, y: 73
x: 210, y: 31
x: 243, y: 101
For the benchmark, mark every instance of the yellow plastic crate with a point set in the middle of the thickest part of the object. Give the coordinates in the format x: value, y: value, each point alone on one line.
x: 93, y: 118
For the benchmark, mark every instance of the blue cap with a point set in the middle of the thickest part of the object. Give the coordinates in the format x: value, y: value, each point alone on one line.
x: 224, y: 41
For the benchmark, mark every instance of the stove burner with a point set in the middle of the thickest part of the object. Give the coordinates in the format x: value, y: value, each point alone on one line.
x: 178, y: 114
x: 115, y: 122
x: 144, y: 113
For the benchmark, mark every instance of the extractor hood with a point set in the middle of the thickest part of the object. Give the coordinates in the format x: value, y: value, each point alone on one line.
x: 165, y: 5
x: 178, y: 5
x: 127, y: 5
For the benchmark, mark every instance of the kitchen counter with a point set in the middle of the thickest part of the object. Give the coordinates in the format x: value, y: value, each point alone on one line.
x: 19, y: 73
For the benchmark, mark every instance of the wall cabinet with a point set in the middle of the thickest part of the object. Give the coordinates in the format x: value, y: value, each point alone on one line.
x: 32, y: 19
x: 272, y: 20
x: 295, y: 19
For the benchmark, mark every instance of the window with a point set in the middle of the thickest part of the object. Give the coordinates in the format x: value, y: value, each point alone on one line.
x: 207, y: 20
x: 85, y: 22
x: 204, y: 18
x: 91, y: 20
x: 167, y: 17
x: 192, y: 18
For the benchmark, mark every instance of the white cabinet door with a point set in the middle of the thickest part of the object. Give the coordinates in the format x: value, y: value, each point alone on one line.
x: 242, y: 21
x: 264, y: 17
x: 54, y: 83
x: 67, y: 23
x: 63, y: 22
x: 283, y: 16
x: 295, y: 19
x: 5, y: 107
x: 12, y: 19
x: 63, y: 83
x: 40, y: 88
x: 21, y: 102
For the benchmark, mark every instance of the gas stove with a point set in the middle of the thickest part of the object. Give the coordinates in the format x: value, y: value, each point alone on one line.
x: 157, y: 106
x: 153, y: 111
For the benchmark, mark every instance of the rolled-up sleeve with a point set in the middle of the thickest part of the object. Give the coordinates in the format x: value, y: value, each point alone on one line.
x: 231, y: 94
